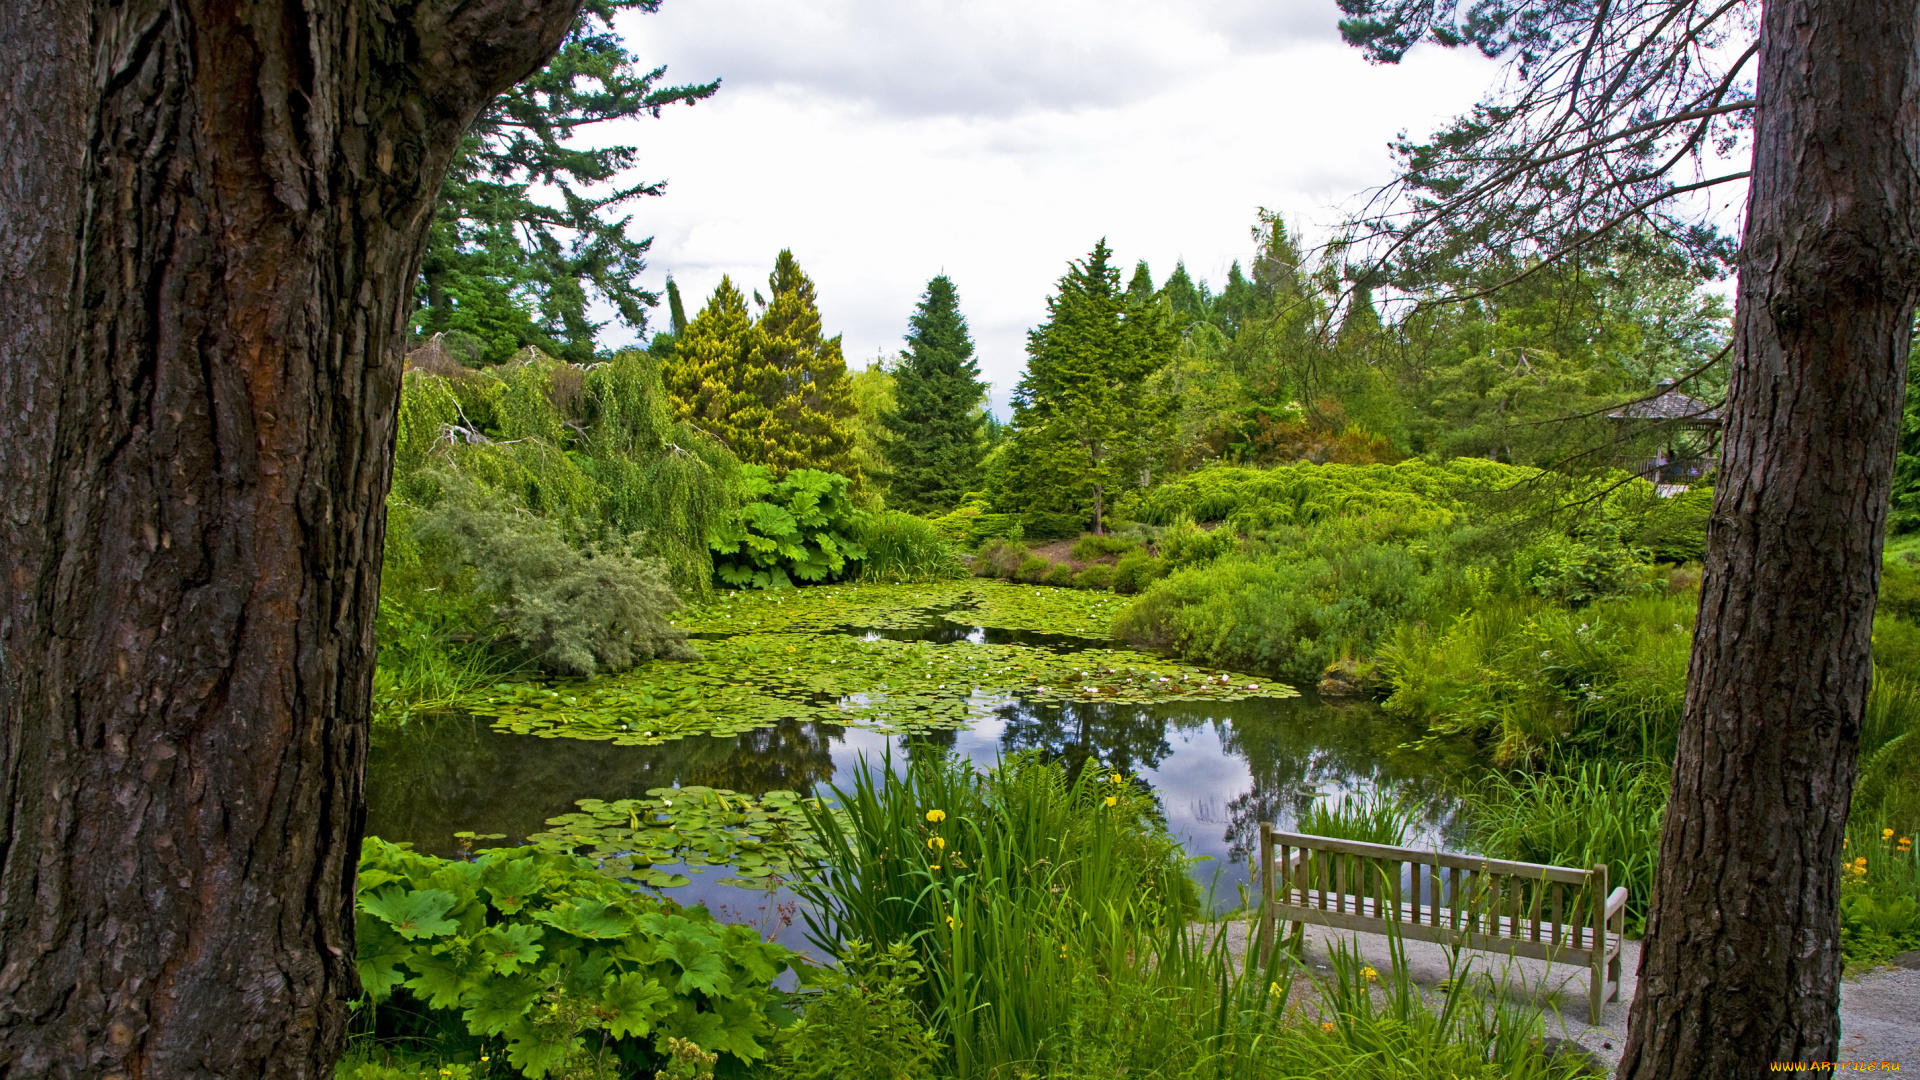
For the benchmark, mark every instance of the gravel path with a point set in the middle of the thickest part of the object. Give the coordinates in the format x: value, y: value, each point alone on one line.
x: 1879, y: 1011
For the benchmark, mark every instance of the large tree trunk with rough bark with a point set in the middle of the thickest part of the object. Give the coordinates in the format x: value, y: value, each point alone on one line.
x: 1741, y: 963
x: 210, y: 220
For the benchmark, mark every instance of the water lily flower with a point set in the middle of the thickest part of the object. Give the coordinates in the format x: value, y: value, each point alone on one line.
x: 936, y: 816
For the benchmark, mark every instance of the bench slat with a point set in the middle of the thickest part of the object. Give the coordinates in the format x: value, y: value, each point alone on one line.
x: 1436, y: 858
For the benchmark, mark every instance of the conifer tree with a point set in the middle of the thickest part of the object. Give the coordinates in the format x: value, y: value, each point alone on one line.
x: 774, y: 390
x: 1084, y: 422
x: 936, y: 444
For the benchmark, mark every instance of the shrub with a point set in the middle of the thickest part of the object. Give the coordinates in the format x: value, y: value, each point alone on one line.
x: 1136, y: 571
x: 1880, y: 889
x: 1098, y: 576
x: 901, y: 547
x: 1000, y: 558
x: 1186, y: 544
x: 1284, y: 613
x: 1579, y: 571
x: 1091, y: 547
x: 574, y: 610
x: 1032, y: 569
x: 1059, y: 575
x: 571, y: 968
x: 1041, y: 525
x: 1900, y: 590
x: 803, y: 526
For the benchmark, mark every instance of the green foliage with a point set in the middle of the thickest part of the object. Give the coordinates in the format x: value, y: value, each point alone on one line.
x: 1093, y: 546
x: 572, y: 609
x: 568, y: 968
x: 504, y: 271
x: 1530, y: 677
x: 1186, y: 544
x: 1375, y: 817
x: 1289, y: 613
x: 1032, y: 570
x: 1417, y: 497
x: 900, y: 547
x: 1052, y: 913
x: 936, y: 446
x: 802, y: 527
x: 1578, y: 571
x: 1083, y: 425
x: 862, y: 1021
x: 1097, y: 576
x: 1596, y: 812
x: 773, y: 390
x: 1059, y: 575
x: 1134, y: 572
x: 1879, y: 891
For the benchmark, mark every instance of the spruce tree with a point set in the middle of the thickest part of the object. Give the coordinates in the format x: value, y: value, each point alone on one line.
x: 937, y: 443
x: 774, y: 391
x: 1084, y: 421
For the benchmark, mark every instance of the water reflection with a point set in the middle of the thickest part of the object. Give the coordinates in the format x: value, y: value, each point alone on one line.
x: 1219, y: 769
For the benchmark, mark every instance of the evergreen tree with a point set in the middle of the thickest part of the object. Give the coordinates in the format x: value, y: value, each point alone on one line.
x: 1140, y: 286
x: 937, y: 441
x: 1084, y: 422
x: 504, y: 270
x: 774, y: 390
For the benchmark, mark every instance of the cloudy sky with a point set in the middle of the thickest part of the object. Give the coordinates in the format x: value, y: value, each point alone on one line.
x: 886, y: 141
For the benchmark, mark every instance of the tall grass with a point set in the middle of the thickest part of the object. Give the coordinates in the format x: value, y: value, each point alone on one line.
x: 1375, y: 817
x: 1596, y: 812
x: 1056, y: 924
x: 904, y: 548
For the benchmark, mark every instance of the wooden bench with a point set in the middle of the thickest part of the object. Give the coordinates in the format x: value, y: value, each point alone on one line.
x: 1551, y: 913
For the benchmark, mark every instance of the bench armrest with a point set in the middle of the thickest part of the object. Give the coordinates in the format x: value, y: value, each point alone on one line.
x: 1616, y: 902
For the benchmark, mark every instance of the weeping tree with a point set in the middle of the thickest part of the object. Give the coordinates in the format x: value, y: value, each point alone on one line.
x: 211, y: 220
x: 1616, y: 115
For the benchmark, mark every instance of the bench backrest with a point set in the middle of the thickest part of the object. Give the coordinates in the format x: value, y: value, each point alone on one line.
x: 1479, y: 902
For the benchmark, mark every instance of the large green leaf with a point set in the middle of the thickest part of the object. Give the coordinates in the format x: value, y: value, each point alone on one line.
x: 633, y: 1003
x: 509, y: 948
x: 416, y: 913
x: 595, y: 920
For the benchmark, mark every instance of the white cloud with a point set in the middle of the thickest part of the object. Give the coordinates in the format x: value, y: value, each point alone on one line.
x: 887, y: 142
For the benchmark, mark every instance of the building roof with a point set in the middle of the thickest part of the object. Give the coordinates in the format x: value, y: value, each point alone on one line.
x: 1671, y: 405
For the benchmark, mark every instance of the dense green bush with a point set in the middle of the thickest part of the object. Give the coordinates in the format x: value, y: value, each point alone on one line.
x: 1092, y: 547
x: 1032, y: 570
x: 1059, y: 575
x: 1186, y: 544
x: 1288, y: 614
x: 572, y: 609
x: 801, y: 527
x: 1000, y: 558
x: 571, y: 971
x: 902, y: 547
x: 1418, y: 495
x: 1098, y: 576
x: 1578, y: 571
x: 1136, y: 571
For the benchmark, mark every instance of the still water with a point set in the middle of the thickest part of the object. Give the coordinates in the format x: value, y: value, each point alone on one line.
x: 1218, y: 768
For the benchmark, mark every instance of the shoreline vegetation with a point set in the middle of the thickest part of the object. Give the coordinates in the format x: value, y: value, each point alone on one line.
x: 580, y: 551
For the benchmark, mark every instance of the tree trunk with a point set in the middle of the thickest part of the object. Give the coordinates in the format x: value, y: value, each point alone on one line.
x: 1741, y: 963
x: 210, y: 221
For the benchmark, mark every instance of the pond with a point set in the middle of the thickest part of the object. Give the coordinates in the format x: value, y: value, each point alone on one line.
x: 1220, y: 763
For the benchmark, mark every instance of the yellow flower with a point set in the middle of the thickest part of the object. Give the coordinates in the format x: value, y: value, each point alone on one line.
x: 1114, y: 779
x: 1113, y: 800
x: 1861, y: 861
x: 483, y: 1059
x: 1886, y: 834
x: 1328, y: 1026
x: 952, y: 923
x: 937, y: 842
x: 1371, y: 975
x: 1273, y: 989
x: 936, y: 816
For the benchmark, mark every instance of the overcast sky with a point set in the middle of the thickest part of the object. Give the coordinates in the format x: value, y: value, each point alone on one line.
x: 886, y: 141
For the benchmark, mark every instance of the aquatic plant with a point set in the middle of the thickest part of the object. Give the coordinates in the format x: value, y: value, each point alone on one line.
x: 903, y: 548
x: 1373, y: 817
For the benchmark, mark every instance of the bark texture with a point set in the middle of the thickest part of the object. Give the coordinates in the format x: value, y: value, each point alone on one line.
x: 211, y: 213
x: 1741, y: 964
